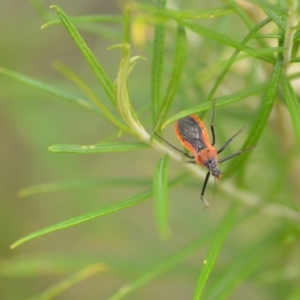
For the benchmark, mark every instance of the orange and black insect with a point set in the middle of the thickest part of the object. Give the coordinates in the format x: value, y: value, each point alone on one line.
x: 192, y: 134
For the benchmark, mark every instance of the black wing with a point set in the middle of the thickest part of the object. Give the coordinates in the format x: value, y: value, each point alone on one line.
x: 192, y: 133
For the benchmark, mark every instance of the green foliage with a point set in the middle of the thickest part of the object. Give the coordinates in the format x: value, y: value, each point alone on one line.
x: 99, y: 148
x: 243, y: 66
x: 213, y: 253
x: 160, y: 194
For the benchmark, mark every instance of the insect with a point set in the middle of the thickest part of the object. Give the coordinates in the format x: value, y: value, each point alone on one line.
x: 193, y: 135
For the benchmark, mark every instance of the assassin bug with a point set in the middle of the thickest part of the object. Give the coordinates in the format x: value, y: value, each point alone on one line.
x: 192, y: 134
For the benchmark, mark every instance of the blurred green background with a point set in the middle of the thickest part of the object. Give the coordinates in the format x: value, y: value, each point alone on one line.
x: 128, y: 241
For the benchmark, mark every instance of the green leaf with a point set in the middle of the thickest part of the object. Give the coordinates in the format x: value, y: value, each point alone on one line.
x: 239, y: 9
x: 245, y: 16
x: 44, y: 264
x: 213, y: 252
x: 296, y: 35
x: 221, y: 101
x: 89, y: 19
x: 80, y: 184
x: 293, y: 107
x: 68, y: 73
x: 49, y: 89
x: 122, y: 96
x: 233, y: 58
x: 40, y: 9
x: 100, y: 74
x: 294, y: 294
x: 130, y: 201
x: 160, y: 195
x: 295, y: 60
x: 86, y: 217
x: 261, y: 120
x: 205, y: 13
x: 274, y: 13
x: 174, y: 79
x: 98, y: 148
x: 206, y: 32
x: 242, y: 266
x: 268, y: 36
x: 157, y: 63
x: 67, y: 283
x: 159, y: 269
x: 201, y: 30
x: 123, y: 102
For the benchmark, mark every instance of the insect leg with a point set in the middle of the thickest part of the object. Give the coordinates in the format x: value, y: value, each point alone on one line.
x: 212, y: 128
x: 234, y: 155
x: 191, y: 162
x: 204, y: 188
x: 229, y: 140
x: 189, y: 156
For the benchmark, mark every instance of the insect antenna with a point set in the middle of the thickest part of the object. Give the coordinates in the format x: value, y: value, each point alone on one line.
x: 234, y: 154
x: 229, y: 141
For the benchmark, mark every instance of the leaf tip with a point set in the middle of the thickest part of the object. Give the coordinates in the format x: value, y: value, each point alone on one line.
x: 164, y: 125
x: 20, y: 194
x: 115, y: 46
x: 14, y: 245
x: 51, y: 148
x: 54, y: 6
x: 44, y: 26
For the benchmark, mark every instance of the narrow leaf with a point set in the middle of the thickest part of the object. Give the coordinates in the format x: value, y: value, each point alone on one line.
x: 268, y: 36
x: 67, y: 283
x: 157, y: 63
x: 186, y: 14
x: 240, y: 10
x: 80, y: 184
x: 100, y: 74
x: 206, y: 32
x: 123, y: 102
x: 293, y: 106
x: 201, y: 30
x: 86, y: 217
x: 261, y: 120
x: 242, y: 266
x: 68, y: 73
x: 49, y: 264
x: 234, y: 57
x: 165, y: 265
x: 201, y: 13
x: 98, y: 148
x: 273, y: 12
x: 295, y: 60
x: 160, y: 194
x: 221, y: 101
x: 47, y: 88
x: 213, y: 252
x: 130, y: 201
x: 89, y: 19
x: 159, y: 268
x: 121, y: 87
x: 174, y: 79
x: 294, y: 294
x: 243, y: 12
